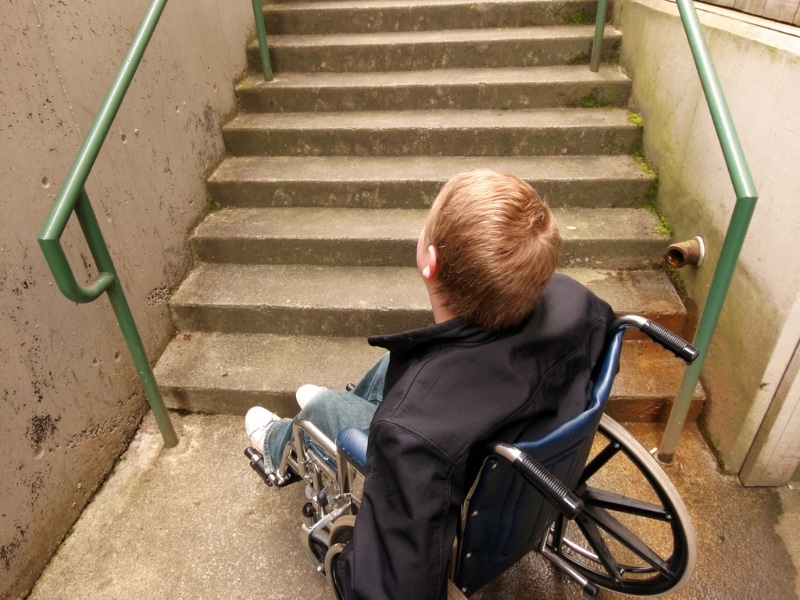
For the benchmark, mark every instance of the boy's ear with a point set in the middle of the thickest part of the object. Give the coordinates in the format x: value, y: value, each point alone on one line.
x: 430, y: 272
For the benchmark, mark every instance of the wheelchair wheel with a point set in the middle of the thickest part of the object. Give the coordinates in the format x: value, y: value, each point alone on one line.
x: 341, y: 534
x: 634, y: 535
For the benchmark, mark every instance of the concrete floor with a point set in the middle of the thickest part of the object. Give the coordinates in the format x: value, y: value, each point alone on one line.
x: 195, y: 522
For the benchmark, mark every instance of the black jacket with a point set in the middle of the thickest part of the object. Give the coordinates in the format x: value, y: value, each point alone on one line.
x: 450, y: 387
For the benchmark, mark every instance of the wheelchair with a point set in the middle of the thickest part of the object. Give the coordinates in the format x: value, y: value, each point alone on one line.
x: 587, y: 496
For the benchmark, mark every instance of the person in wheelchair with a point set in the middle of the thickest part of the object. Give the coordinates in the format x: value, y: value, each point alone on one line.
x: 510, y: 353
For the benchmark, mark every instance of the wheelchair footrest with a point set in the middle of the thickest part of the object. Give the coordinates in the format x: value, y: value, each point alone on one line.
x: 270, y: 478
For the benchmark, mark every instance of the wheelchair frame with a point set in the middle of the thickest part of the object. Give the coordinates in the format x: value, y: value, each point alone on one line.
x: 641, y: 544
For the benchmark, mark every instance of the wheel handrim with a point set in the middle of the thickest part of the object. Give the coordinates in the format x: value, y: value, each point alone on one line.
x: 605, y: 544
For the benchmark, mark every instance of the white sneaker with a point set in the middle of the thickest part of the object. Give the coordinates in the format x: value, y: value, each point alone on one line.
x: 256, y: 423
x: 306, y: 392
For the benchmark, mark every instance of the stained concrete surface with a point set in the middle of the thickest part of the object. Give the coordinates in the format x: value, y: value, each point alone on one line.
x: 196, y: 522
x: 68, y: 391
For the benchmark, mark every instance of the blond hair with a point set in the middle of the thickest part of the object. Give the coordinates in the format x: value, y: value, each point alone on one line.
x: 497, y: 245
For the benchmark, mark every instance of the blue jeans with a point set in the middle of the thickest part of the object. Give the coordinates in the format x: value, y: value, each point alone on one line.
x: 331, y: 411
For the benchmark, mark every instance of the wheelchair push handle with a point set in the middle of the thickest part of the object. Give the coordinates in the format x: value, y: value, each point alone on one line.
x: 672, y: 342
x: 547, y: 484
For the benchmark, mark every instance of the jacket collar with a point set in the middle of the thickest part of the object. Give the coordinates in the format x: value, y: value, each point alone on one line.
x: 455, y: 331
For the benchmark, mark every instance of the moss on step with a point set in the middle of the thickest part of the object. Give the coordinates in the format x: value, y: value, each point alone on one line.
x: 677, y: 282
x: 582, y: 58
x: 652, y: 192
x: 578, y: 19
x: 664, y: 227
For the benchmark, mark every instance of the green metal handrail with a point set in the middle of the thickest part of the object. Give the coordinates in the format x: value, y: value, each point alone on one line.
x: 72, y: 197
x: 599, y: 30
x: 263, y: 47
x: 746, y: 198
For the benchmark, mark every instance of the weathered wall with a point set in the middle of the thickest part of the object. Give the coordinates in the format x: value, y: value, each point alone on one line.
x: 70, y: 399
x: 758, y: 64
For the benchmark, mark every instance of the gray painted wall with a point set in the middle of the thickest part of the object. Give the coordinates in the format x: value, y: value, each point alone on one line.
x: 758, y: 63
x: 70, y: 397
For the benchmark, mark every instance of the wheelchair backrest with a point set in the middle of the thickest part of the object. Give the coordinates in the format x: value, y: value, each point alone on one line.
x: 503, y: 517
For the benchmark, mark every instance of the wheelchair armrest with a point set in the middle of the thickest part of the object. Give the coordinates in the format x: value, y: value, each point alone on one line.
x: 352, y: 442
x: 547, y: 484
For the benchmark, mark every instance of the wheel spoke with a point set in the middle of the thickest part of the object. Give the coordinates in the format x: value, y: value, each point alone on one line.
x: 602, y: 544
x: 599, y: 461
x: 620, y: 503
x: 627, y: 538
x: 595, y: 539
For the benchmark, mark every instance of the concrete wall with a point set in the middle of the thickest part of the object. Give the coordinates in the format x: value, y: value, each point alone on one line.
x: 758, y: 64
x: 70, y: 396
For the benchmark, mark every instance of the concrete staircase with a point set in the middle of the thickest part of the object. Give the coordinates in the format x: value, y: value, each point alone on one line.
x: 332, y: 165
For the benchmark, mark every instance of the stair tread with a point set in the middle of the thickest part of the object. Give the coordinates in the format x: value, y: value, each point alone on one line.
x: 294, y: 5
x: 313, y: 223
x: 308, y: 286
x: 433, y: 49
x: 298, y: 4
x: 462, y: 132
x: 436, y: 169
x: 610, y: 237
x: 413, y: 15
x: 388, y: 289
x: 404, y: 3
x: 431, y: 120
x: 436, y: 37
x: 262, y: 361
x: 404, y: 224
x: 466, y: 76
x: 476, y: 88
x: 242, y: 369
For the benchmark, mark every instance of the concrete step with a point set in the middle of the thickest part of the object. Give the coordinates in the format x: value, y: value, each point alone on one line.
x: 577, y: 131
x: 613, y: 238
x: 504, y: 89
x: 414, y: 181
x: 422, y: 50
x: 229, y: 373
x: 375, y: 103
x: 359, y: 301
x: 359, y: 16
x: 647, y: 382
